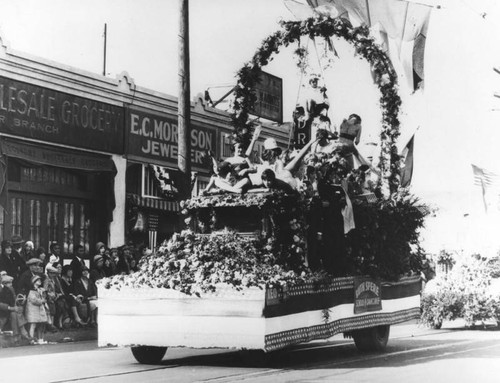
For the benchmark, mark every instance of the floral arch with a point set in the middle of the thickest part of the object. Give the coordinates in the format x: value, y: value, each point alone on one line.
x: 365, y: 46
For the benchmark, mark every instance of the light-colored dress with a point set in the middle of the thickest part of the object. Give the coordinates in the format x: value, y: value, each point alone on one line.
x: 36, y: 311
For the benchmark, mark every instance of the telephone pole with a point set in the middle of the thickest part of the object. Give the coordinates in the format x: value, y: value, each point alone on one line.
x: 105, y: 43
x: 184, y: 103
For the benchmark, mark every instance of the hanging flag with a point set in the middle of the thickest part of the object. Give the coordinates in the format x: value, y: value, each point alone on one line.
x: 489, y: 183
x: 407, y: 170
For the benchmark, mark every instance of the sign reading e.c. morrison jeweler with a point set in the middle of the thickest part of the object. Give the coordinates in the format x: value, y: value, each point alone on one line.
x: 31, y: 111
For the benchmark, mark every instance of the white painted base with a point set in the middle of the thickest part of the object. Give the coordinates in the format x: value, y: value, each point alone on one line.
x: 228, y: 319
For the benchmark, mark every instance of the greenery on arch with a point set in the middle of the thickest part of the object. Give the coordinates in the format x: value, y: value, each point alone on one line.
x: 365, y: 46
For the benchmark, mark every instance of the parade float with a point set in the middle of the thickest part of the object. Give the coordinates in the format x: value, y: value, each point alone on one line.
x: 256, y: 270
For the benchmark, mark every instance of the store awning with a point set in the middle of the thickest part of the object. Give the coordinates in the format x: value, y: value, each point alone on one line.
x: 58, y: 157
x: 153, y: 203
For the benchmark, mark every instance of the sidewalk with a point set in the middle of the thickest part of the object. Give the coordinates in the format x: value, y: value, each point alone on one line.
x: 61, y: 336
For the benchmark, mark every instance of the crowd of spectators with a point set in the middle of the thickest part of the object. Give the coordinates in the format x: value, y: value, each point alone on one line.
x: 42, y: 291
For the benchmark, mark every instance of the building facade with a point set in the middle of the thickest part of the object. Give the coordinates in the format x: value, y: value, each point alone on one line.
x: 86, y: 158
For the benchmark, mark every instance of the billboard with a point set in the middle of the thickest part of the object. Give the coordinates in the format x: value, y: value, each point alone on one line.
x: 269, y: 103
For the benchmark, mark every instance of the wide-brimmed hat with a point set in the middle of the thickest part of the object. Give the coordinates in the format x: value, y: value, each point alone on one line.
x: 33, y: 261
x: 6, y: 243
x: 98, y: 258
x: 270, y: 144
x: 16, y: 240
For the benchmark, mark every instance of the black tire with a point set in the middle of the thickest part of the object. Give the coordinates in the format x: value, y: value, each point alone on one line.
x: 255, y: 358
x: 437, y: 325
x: 372, y: 339
x: 148, y: 354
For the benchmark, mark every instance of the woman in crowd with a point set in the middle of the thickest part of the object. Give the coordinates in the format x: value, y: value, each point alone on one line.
x: 97, y: 271
x: 110, y: 262
x: 69, y: 297
x: 85, y: 293
x: 28, y: 250
x: 125, y: 256
x: 36, y: 311
x: 41, y: 254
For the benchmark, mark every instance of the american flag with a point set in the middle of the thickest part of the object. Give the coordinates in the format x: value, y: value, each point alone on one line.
x: 487, y: 180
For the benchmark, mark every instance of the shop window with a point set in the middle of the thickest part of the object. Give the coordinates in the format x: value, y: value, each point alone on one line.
x: 227, y: 150
x: 35, y: 222
x: 68, y: 228
x: 52, y: 220
x: 149, y: 187
x: 84, y: 229
x: 2, y: 221
x: 17, y: 216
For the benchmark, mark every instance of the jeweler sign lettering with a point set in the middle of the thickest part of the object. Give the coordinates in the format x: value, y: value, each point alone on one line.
x: 367, y: 295
x: 155, y: 137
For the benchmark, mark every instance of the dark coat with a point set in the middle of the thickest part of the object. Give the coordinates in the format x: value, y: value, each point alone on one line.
x: 24, y: 283
x: 13, y: 265
x: 7, y: 299
x: 77, y: 266
x: 86, y: 293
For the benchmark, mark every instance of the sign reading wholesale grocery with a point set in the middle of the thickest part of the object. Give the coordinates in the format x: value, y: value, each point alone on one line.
x: 155, y: 137
x: 31, y: 111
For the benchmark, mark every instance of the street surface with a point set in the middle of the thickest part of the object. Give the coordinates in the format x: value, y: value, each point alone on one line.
x: 414, y: 354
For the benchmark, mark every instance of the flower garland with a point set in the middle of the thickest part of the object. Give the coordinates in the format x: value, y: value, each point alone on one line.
x: 365, y: 46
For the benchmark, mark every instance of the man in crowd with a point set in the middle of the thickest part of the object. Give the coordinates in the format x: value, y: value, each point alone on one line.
x: 8, y: 309
x: 77, y: 263
x: 34, y: 269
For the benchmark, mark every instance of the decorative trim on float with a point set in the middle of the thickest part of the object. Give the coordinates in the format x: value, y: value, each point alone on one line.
x: 284, y: 339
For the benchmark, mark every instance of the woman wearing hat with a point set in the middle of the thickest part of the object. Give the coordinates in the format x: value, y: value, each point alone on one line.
x: 85, y: 293
x: 97, y: 272
x: 11, y: 262
x: 36, y: 310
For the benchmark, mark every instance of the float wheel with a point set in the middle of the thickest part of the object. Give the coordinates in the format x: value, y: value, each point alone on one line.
x: 372, y: 339
x: 148, y: 354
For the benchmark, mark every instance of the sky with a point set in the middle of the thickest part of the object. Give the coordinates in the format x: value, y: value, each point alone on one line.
x: 455, y: 113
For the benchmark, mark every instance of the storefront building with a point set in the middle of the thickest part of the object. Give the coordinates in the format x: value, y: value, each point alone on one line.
x: 85, y: 158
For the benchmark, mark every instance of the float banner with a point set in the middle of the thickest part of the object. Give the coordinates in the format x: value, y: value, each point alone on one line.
x: 31, y: 111
x: 155, y: 137
x: 367, y: 295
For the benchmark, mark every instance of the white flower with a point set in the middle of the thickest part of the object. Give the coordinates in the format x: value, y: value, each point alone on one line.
x: 385, y: 79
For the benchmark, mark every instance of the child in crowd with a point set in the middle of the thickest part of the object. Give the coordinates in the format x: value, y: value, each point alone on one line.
x: 36, y: 311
